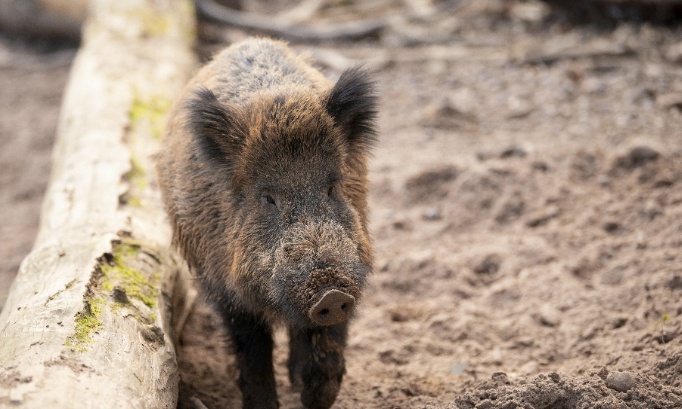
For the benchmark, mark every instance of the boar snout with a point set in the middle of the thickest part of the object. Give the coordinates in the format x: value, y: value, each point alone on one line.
x: 317, y: 277
x: 333, y: 308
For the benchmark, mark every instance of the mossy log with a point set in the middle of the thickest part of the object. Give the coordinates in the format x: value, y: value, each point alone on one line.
x: 87, y: 323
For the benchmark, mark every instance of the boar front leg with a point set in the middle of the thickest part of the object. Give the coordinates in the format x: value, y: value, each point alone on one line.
x: 252, y: 340
x: 316, y: 363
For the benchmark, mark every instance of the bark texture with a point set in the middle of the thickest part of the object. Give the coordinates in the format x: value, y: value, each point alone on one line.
x: 88, y: 320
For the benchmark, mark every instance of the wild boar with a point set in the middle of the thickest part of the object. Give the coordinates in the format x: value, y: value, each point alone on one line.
x: 263, y: 172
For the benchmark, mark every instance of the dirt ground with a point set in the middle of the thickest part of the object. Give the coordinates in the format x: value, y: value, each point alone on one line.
x: 32, y: 78
x: 526, y: 199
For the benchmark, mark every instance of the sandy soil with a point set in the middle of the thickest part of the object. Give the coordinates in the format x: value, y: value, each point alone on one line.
x: 526, y: 199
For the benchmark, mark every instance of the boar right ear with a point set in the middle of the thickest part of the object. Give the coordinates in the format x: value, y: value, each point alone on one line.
x: 352, y: 103
x: 217, y: 129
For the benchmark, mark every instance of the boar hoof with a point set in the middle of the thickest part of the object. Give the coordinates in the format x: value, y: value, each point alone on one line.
x: 333, y: 308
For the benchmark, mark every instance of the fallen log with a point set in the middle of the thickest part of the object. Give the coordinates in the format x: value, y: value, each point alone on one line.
x: 88, y: 319
x: 653, y: 11
x: 351, y: 30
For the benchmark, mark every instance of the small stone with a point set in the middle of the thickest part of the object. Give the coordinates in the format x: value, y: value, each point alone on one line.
x: 675, y: 283
x: 485, y: 404
x: 612, y: 227
x: 548, y: 316
x: 400, y: 225
x: 500, y: 378
x: 543, y: 216
x: 432, y: 214
x: 619, y: 322
x: 540, y: 165
x: 637, y: 157
x: 620, y: 381
x: 513, y: 151
x: 455, y: 112
x: 488, y: 265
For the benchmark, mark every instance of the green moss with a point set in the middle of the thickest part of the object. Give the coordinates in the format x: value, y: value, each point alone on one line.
x: 107, y: 286
x: 87, y: 322
x: 147, y: 118
x: 120, y: 273
x: 151, y: 112
x: 153, y: 24
x: 137, y: 178
x: 188, y: 27
x: 136, y: 174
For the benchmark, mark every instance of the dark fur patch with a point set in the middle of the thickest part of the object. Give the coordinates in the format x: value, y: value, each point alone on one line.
x: 352, y: 103
x: 217, y: 129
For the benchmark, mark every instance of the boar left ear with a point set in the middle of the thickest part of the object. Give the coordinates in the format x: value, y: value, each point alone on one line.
x: 352, y: 103
x: 217, y: 129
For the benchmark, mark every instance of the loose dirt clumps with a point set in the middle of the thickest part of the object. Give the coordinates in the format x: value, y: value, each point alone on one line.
x: 551, y: 391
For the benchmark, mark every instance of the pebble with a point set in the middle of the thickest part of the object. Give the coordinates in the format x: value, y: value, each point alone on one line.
x: 620, y: 381
x: 489, y: 264
x: 513, y: 151
x: 432, y: 214
x: 500, y: 378
x: 637, y: 156
x: 642, y: 154
x: 548, y: 316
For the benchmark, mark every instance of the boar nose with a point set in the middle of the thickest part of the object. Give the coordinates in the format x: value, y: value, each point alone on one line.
x: 333, y: 308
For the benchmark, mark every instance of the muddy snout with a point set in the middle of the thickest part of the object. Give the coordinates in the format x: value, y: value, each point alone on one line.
x: 334, y: 307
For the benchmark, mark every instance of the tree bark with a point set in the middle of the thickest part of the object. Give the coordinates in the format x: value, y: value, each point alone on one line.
x: 87, y: 323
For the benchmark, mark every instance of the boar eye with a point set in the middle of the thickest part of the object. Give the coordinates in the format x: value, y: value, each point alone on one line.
x: 330, y: 191
x: 268, y: 200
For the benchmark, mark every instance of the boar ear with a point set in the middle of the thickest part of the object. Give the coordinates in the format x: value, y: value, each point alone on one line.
x: 217, y: 129
x: 352, y: 103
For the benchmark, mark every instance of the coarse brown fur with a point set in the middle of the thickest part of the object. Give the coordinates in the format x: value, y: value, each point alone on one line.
x: 264, y: 175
